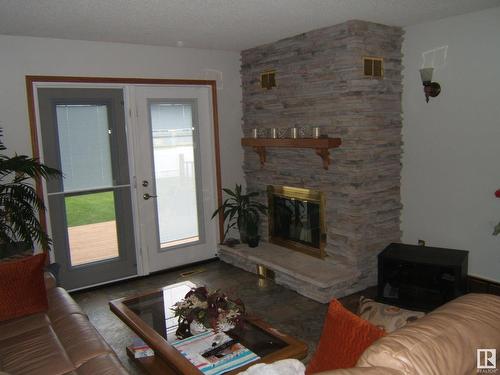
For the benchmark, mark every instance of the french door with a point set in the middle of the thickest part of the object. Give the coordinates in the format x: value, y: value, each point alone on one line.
x: 90, y: 207
x: 139, y: 178
x: 175, y: 175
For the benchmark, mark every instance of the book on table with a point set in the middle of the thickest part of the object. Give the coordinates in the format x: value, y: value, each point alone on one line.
x: 214, y: 353
x: 140, y: 349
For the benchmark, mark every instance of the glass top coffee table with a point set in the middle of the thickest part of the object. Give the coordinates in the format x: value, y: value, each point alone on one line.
x: 150, y: 316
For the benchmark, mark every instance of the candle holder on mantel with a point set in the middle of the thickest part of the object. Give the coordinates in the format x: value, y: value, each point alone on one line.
x: 259, y: 133
x: 304, y: 132
x: 316, y: 132
x: 282, y: 133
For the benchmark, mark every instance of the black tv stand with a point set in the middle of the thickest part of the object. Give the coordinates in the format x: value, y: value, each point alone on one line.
x: 421, y: 277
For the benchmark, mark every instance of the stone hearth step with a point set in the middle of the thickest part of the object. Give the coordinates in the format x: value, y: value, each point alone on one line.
x: 314, y: 278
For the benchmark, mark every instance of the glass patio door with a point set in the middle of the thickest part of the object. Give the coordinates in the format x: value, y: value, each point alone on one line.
x: 91, y: 217
x: 173, y: 134
x: 175, y: 175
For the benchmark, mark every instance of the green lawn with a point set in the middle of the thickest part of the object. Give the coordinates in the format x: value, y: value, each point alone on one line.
x: 90, y: 209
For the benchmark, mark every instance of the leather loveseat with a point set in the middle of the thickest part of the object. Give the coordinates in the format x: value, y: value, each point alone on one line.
x: 59, y: 341
x: 444, y: 342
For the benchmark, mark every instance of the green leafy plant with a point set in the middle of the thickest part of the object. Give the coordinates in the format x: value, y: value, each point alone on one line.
x: 19, y: 201
x: 240, y: 210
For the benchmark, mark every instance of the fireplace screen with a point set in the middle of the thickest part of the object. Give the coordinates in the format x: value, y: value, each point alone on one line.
x: 296, y: 219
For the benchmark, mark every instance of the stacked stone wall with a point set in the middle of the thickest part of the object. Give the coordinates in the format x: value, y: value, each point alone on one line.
x: 320, y: 82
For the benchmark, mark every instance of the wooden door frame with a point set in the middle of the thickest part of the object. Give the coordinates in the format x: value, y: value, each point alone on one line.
x: 31, y: 80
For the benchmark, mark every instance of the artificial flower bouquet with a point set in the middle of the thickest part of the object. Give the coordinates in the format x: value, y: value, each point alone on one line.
x: 211, y: 310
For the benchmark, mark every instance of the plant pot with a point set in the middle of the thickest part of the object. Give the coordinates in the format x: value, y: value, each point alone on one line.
x: 253, y: 241
x: 243, y: 235
x: 16, y: 248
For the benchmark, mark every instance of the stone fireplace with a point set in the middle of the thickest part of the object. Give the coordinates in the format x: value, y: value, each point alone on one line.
x: 320, y: 82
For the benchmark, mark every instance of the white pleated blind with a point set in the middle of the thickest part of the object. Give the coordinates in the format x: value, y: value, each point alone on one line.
x: 84, y: 137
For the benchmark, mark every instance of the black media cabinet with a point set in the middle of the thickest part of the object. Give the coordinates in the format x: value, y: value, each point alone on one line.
x: 421, y: 277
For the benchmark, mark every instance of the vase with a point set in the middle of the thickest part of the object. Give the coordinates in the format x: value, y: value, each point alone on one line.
x: 183, y: 331
x: 224, y: 327
x: 243, y: 234
x: 196, y: 327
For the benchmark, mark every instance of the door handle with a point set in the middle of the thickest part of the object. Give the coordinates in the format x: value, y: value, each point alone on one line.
x: 146, y: 196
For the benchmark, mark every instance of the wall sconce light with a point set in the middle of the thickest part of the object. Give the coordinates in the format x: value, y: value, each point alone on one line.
x: 431, y: 89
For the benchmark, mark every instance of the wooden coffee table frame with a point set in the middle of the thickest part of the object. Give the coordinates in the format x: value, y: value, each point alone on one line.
x: 168, y: 361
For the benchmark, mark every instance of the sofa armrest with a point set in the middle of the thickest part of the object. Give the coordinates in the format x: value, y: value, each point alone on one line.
x: 50, y: 280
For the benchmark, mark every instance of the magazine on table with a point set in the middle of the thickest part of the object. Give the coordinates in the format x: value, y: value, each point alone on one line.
x: 214, y: 353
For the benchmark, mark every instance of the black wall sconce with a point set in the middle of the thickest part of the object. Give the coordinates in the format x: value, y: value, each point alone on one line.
x: 431, y: 89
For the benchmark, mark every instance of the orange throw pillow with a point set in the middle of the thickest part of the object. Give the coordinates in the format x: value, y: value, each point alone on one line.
x: 22, y: 287
x: 345, y: 337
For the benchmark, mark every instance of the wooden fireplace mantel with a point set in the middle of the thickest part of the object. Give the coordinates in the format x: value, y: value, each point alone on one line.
x: 321, y: 145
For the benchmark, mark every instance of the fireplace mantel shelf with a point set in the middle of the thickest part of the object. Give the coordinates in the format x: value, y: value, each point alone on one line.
x: 321, y: 145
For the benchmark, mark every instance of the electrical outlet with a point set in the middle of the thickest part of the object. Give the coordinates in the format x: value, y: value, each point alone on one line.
x: 421, y: 243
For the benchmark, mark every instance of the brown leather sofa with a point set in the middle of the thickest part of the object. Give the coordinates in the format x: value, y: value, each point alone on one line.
x: 59, y: 341
x: 444, y: 342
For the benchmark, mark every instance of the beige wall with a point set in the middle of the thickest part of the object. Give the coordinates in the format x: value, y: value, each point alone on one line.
x: 451, y: 159
x: 20, y: 56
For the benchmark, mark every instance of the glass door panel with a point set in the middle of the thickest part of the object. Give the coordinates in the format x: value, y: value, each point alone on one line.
x: 84, y: 135
x: 85, y: 155
x: 173, y: 137
x: 91, y: 227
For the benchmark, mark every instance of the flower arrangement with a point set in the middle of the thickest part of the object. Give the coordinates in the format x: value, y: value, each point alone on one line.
x: 210, y: 309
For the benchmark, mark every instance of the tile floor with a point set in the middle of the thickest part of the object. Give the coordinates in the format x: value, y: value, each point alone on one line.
x: 285, y: 309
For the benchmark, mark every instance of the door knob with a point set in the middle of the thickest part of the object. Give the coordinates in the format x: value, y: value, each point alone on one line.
x: 146, y: 196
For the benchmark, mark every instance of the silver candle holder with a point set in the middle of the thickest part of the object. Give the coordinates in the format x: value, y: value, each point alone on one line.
x: 261, y: 133
x: 316, y: 132
x: 282, y: 132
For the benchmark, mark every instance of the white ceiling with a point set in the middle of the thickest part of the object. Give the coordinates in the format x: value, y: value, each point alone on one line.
x: 215, y: 24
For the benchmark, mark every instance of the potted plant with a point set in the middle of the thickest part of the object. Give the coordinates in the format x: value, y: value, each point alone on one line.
x: 20, y: 204
x: 202, y: 309
x: 241, y: 211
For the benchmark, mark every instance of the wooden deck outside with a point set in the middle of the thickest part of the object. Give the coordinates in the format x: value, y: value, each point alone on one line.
x: 93, y: 242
